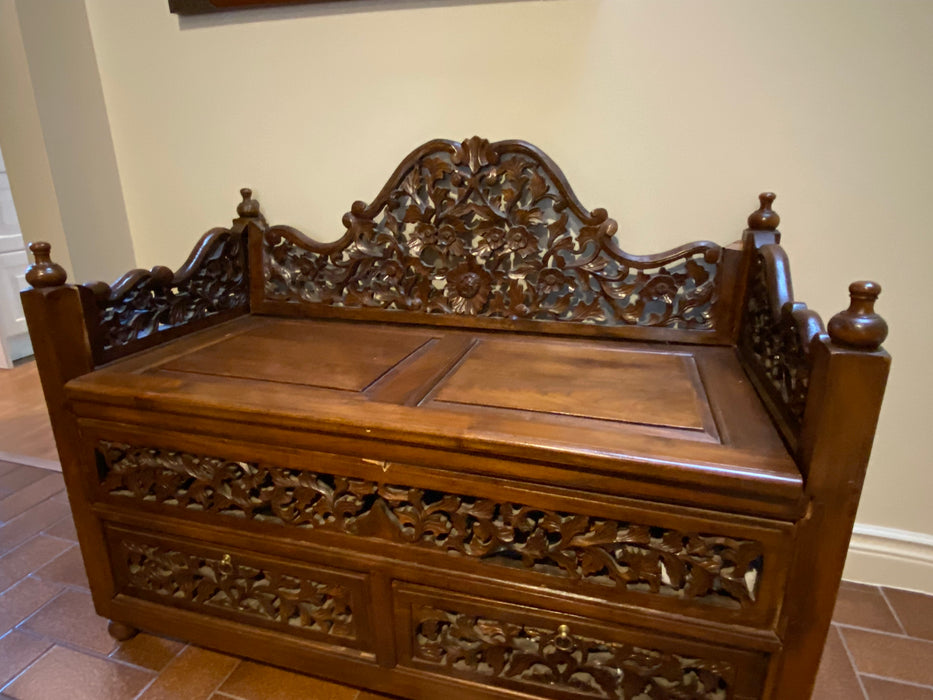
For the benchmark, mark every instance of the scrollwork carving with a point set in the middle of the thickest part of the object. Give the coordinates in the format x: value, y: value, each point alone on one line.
x: 144, y: 303
x: 777, y: 338
x: 491, y: 230
x: 706, y: 568
x: 231, y: 584
x: 552, y: 660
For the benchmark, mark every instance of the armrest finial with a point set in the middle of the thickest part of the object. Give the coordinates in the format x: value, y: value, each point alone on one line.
x: 44, y: 272
x: 764, y: 218
x: 249, y: 207
x: 859, y: 326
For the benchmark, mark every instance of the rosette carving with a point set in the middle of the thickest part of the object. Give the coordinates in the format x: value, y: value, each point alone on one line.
x: 476, y: 229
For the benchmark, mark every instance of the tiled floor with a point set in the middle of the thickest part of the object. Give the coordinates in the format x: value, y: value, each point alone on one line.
x: 53, y: 646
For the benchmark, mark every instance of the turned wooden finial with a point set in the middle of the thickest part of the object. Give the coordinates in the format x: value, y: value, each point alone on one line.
x: 44, y: 272
x: 764, y: 218
x: 249, y: 207
x: 859, y: 326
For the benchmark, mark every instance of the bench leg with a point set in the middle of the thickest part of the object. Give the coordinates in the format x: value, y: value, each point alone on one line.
x: 121, y: 632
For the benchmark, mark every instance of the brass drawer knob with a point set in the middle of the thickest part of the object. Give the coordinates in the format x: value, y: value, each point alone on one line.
x: 226, y: 564
x: 563, y: 640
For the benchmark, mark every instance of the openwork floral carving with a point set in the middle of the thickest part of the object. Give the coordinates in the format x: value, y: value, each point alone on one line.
x: 143, y: 303
x: 556, y: 663
x: 782, y: 357
x: 492, y: 230
x: 230, y: 584
x: 706, y: 568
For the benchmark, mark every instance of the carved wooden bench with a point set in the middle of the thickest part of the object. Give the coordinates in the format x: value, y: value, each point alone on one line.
x: 472, y: 447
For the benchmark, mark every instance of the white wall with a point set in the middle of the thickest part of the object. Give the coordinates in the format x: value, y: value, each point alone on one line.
x: 671, y: 115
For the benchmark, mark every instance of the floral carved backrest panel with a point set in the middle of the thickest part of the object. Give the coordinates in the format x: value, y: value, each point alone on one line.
x: 492, y: 231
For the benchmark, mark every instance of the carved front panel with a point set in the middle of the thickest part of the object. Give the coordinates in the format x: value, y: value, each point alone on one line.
x: 237, y: 587
x: 706, y: 568
x: 552, y: 661
x: 491, y: 230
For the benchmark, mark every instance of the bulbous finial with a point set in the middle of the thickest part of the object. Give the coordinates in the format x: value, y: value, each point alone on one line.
x: 859, y: 326
x: 764, y: 218
x: 44, y: 272
x: 249, y: 207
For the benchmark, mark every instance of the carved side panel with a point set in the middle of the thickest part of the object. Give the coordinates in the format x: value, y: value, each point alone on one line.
x: 238, y: 588
x: 491, y: 230
x: 556, y: 663
x: 701, y: 567
x: 143, y: 303
x: 775, y: 337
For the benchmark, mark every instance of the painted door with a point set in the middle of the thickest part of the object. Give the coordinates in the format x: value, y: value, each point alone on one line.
x: 14, y: 338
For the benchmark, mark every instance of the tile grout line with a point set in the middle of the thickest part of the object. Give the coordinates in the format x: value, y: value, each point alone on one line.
x: 897, y: 680
x: 28, y: 666
x: 882, y: 632
x: 858, y: 677
x: 897, y: 618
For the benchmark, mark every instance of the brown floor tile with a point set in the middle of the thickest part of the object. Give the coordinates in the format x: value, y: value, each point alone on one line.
x: 882, y: 689
x: 65, y: 674
x: 71, y: 619
x: 28, y: 557
x: 23, y: 599
x: 897, y: 658
x: 20, y: 476
x: 253, y: 681
x: 67, y: 568
x: 193, y: 675
x: 64, y: 528
x: 864, y: 606
x: 17, y: 651
x: 7, y: 467
x: 27, y: 497
x: 148, y: 651
x: 16, y: 531
x: 915, y: 611
x: 836, y: 680
x: 367, y: 695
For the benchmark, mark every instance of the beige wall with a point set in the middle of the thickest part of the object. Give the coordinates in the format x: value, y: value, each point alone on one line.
x: 23, y: 145
x: 672, y: 115
x: 70, y: 105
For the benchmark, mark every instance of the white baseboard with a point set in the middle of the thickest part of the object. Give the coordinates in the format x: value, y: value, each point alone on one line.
x: 886, y: 556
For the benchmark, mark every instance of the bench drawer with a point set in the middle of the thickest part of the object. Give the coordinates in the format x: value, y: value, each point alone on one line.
x: 316, y: 603
x: 547, y: 654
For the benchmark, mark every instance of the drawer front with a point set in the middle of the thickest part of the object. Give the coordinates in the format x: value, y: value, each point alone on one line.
x: 689, y: 565
x: 549, y: 655
x: 315, y: 603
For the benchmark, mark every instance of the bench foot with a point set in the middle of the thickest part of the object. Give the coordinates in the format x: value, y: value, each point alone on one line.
x: 120, y: 631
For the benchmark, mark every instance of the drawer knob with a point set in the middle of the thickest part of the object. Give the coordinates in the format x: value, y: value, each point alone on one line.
x: 563, y: 640
x: 226, y: 564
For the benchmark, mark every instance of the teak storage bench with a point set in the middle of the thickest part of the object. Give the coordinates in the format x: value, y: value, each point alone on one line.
x: 472, y: 449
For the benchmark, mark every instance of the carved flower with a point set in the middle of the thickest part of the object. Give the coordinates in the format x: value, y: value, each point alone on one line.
x: 551, y: 280
x: 520, y: 240
x: 468, y: 287
x: 423, y: 236
x: 660, y: 286
x: 449, y: 240
x: 390, y: 272
x: 492, y: 239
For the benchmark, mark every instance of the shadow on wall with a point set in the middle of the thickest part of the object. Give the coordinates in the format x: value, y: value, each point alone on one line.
x: 319, y: 9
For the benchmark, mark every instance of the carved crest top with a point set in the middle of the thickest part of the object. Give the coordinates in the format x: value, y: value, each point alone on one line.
x: 480, y: 229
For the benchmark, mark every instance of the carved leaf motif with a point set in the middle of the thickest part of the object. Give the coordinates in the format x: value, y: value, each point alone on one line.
x: 468, y: 229
x: 705, y: 568
x: 277, y: 598
x: 529, y: 658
